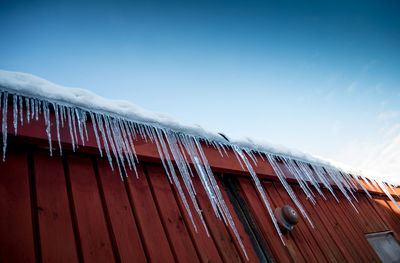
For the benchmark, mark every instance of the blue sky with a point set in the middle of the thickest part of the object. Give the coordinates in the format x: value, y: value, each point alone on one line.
x: 322, y: 76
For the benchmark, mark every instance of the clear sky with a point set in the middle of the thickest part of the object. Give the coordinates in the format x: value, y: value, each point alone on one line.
x: 322, y: 77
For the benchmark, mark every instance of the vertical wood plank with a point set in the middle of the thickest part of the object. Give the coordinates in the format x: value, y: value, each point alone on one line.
x: 280, y: 253
x: 176, y: 229
x: 146, y: 214
x: 251, y: 254
x: 217, y: 228
x: 323, y: 237
x: 280, y: 198
x: 395, y: 210
x: 16, y: 232
x: 385, y: 213
x: 352, y: 221
x: 121, y: 217
x: 336, y: 225
x: 370, y: 221
x: 204, y: 244
x: 57, y: 240
x: 92, y: 227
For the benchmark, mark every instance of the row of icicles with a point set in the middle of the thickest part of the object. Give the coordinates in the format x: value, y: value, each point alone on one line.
x: 117, y: 135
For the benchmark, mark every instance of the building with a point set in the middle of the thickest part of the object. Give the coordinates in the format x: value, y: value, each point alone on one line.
x: 81, y: 183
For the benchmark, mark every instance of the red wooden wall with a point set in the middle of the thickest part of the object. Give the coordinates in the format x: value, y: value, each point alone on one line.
x: 74, y: 208
x: 338, y: 233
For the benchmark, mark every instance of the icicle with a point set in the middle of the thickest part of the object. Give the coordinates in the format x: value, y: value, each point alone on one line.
x: 210, y: 175
x: 375, y: 183
x: 148, y: 133
x: 15, y: 113
x: 115, y: 135
x: 261, y: 156
x: 165, y: 151
x: 110, y: 140
x: 332, y: 173
x: 320, y: 172
x: 57, y: 115
x: 62, y: 116
x: 239, y: 154
x: 124, y: 145
x: 4, y: 123
x: 287, y: 187
x: 96, y: 133
x: 36, y: 104
x: 32, y: 101
x: 39, y: 103
x: 391, y: 186
x: 363, y: 187
x: 219, y: 149
x: 132, y: 129
x: 299, y: 177
x: 84, y: 120
x: 27, y: 110
x: 239, y: 159
x: 225, y: 212
x: 46, y: 114
x: 160, y: 134
x: 72, y: 114
x: 141, y: 132
x: 249, y: 153
x: 385, y: 190
x: 342, y: 178
x: 349, y: 179
x: 190, y: 148
x: 128, y: 132
x: 310, y: 176
x: 103, y: 134
x: 184, y: 152
x: 223, y: 148
x: 78, y: 118
x: 173, y: 146
x: 367, y: 181
x: 70, y: 128
x: 160, y: 153
x: 129, y: 147
x: 21, y: 110
x: 121, y: 144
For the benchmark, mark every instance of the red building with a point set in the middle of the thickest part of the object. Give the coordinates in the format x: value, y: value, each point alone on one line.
x: 73, y: 207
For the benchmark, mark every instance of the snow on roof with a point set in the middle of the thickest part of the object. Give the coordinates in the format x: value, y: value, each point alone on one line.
x: 30, y: 85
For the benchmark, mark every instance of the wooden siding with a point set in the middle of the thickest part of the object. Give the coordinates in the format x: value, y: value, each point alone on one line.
x: 74, y: 208
x: 338, y: 233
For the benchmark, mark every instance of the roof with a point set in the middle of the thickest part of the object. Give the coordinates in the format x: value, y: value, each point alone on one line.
x: 36, y: 87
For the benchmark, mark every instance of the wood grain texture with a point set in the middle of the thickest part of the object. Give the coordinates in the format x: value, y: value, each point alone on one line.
x: 123, y: 222
x: 16, y: 226
x: 57, y: 239
x: 92, y: 226
x: 154, y: 235
x: 75, y: 208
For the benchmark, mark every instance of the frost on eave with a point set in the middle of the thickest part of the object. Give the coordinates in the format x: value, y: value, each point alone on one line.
x: 118, y: 124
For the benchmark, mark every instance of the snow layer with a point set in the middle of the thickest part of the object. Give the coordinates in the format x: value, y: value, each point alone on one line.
x: 30, y: 85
